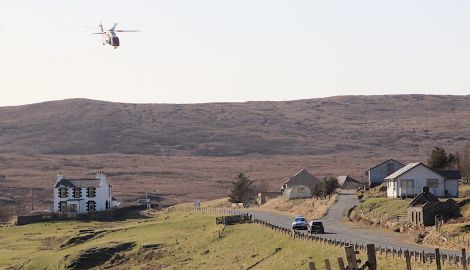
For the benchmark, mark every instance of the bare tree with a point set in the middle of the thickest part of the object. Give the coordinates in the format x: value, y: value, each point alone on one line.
x: 262, y: 186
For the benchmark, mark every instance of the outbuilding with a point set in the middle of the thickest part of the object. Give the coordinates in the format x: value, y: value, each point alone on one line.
x: 426, y: 208
x: 347, y: 182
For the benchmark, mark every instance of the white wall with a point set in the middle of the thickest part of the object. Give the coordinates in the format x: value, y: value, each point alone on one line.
x: 295, y: 194
x: 419, y: 175
x: 103, y: 194
x: 391, y: 189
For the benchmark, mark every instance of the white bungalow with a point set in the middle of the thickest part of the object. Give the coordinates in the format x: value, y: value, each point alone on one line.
x: 83, y: 195
x: 410, y: 180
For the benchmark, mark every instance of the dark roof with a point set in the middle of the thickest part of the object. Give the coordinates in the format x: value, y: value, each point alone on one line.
x: 346, y: 178
x: 80, y: 183
x: 386, y: 162
x: 422, y: 198
x: 450, y: 174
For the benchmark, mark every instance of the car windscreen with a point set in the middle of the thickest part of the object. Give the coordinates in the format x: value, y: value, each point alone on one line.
x: 317, y: 224
x: 299, y: 219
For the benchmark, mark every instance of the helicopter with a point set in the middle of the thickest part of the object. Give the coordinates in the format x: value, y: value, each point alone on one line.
x: 110, y: 37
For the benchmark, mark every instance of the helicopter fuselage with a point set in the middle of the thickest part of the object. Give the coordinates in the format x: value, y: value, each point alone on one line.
x: 110, y: 38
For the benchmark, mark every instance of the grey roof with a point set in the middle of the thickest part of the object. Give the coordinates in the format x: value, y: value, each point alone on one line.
x: 79, y: 183
x: 346, y: 178
x: 403, y: 170
x: 386, y: 162
x: 303, y: 178
x: 408, y: 168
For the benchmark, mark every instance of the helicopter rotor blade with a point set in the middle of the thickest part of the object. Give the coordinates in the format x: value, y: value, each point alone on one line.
x: 122, y: 31
x: 114, y: 27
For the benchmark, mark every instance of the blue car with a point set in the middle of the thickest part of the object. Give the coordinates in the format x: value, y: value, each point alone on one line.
x: 299, y: 223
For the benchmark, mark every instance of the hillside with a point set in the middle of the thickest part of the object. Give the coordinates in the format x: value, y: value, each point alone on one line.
x: 375, y: 126
x: 166, y: 241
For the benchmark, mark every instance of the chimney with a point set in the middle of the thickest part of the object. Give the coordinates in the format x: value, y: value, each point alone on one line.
x: 425, y: 190
x: 59, y: 177
x: 100, y: 175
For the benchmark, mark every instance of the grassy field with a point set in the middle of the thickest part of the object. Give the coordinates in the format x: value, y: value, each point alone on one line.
x: 380, y: 210
x: 178, y: 241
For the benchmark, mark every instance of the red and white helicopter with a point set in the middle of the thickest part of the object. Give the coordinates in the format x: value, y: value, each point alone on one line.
x: 110, y: 37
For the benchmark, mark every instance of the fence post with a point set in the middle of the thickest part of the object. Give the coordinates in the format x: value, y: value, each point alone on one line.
x: 464, y: 259
x: 351, y: 257
x: 371, y: 259
x: 408, y: 261
x: 327, y: 264
x: 311, y: 264
x: 340, y: 263
x: 438, y: 259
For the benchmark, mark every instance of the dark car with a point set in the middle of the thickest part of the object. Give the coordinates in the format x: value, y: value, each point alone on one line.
x: 316, y: 227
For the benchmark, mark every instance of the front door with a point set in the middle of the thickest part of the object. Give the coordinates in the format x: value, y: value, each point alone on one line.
x: 73, y: 208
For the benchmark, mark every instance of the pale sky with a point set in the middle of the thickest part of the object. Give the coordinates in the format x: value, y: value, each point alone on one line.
x: 205, y: 51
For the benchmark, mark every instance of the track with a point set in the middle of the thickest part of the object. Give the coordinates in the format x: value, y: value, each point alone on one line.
x: 335, y: 228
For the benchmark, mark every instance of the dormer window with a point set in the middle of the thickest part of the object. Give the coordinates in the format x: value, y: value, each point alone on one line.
x: 63, y: 192
x: 77, y: 192
x: 91, y: 192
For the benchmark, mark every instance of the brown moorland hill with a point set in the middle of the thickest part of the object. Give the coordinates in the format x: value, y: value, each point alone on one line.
x: 372, y: 125
x: 183, y: 152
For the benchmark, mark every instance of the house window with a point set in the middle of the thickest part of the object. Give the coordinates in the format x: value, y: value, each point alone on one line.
x: 407, y: 183
x: 91, y: 206
x: 91, y: 192
x: 77, y: 192
x: 63, y: 192
x: 433, y: 183
x: 301, y: 190
x: 63, y: 206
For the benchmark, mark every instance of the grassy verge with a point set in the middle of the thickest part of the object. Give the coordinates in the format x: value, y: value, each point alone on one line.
x: 309, y: 208
x: 380, y: 211
x: 169, y: 241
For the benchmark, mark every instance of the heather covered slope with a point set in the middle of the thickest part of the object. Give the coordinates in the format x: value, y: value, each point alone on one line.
x: 375, y: 126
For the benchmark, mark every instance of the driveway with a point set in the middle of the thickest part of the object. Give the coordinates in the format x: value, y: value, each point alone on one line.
x: 336, y: 228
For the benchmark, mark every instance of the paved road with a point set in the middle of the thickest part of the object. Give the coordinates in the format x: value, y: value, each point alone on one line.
x: 335, y: 228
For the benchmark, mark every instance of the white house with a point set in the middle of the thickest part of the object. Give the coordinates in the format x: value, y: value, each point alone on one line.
x: 83, y: 195
x: 410, y: 180
x: 300, y: 185
x: 378, y: 173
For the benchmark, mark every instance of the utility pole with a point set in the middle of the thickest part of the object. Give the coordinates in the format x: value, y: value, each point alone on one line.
x: 32, y: 200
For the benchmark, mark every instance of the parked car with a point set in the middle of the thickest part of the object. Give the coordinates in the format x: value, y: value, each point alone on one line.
x: 316, y: 227
x: 300, y: 223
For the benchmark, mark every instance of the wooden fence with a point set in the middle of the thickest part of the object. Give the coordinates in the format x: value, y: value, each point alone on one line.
x: 436, y: 257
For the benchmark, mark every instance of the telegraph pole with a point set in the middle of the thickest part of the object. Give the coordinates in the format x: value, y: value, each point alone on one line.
x: 32, y: 200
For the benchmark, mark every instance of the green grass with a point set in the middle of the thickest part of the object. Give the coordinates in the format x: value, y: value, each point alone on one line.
x: 190, y: 241
x: 381, y: 208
